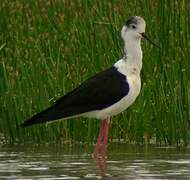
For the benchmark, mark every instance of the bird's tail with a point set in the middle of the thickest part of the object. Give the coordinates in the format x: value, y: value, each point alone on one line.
x: 47, y: 115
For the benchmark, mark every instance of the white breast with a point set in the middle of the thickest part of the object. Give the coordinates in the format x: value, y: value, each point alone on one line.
x: 133, y: 78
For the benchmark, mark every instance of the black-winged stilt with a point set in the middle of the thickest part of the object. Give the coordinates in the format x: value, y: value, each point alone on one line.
x: 108, y: 92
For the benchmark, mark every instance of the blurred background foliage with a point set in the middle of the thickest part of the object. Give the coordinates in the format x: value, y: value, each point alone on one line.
x: 48, y: 47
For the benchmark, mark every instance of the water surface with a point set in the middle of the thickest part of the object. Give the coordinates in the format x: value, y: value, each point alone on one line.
x: 75, y: 162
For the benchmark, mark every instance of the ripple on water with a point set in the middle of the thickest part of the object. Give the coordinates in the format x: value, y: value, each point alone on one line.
x: 132, y: 165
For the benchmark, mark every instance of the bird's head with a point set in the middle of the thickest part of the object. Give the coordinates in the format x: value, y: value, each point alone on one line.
x: 134, y: 29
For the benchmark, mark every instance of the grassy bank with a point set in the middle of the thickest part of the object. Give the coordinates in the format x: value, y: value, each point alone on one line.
x: 49, y: 47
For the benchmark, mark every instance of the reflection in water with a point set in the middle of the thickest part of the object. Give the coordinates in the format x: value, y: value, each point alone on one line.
x: 124, y: 162
x: 102, y: 165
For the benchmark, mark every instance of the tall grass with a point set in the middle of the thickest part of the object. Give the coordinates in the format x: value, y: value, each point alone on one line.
x: 48, y: 47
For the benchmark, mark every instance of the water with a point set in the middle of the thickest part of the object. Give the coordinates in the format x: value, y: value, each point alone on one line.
x: 75, y: 162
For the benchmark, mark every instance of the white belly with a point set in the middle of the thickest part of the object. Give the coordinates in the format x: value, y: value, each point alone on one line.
x: 124, y: 103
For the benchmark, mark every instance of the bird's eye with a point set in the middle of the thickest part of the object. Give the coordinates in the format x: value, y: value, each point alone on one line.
x: 133, y: 26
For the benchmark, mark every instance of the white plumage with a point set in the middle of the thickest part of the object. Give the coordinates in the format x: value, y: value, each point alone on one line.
x: 107, y: 93
x: 130, y: 66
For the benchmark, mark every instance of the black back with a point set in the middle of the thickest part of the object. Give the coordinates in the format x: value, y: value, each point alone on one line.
x: 98, y: 92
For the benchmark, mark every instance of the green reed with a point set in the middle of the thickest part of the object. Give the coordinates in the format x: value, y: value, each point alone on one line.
x: 47, y: 48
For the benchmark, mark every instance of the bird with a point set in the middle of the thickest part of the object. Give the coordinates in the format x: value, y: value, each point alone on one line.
x: 107, y: 93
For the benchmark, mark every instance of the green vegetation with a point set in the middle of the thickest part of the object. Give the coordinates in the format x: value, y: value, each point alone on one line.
x: 48, y: 47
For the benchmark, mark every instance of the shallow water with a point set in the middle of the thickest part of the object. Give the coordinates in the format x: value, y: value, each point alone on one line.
x: 75, y: 162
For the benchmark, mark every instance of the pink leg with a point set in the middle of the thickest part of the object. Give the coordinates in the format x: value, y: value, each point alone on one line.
x: 105, y: 138
x: 100, y: 136
x: 103, y: 135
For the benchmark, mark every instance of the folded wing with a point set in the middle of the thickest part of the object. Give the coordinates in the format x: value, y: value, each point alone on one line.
x: 98, y: 92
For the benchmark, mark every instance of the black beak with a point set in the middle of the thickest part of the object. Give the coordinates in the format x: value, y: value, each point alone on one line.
x: 147, y: 38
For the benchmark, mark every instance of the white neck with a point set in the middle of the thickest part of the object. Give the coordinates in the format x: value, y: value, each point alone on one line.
x: 133, y: 53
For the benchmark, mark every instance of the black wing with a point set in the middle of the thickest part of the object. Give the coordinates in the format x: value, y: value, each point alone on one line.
x: 98, y: 92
